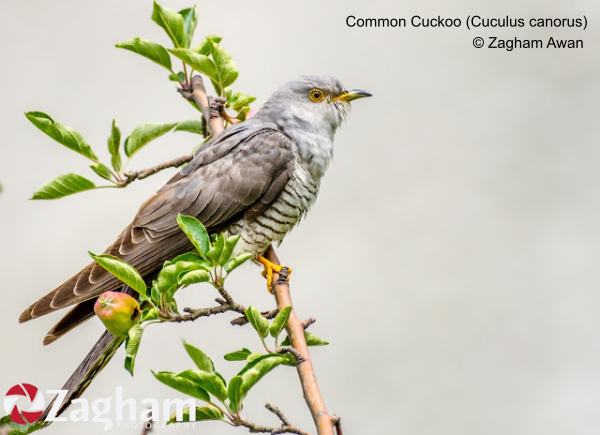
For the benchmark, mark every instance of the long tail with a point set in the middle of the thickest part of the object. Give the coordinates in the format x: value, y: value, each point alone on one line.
x: 96, y: 360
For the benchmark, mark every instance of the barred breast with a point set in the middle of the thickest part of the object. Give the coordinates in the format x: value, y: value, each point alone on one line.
x: 285, y: 213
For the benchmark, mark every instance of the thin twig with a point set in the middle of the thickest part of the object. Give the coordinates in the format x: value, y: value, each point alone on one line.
x: 275, y: 410
x: 289, y: 349
x: 144, y: 173
x: 295, y: 329
x: 308, y: 322
x: 266, y: 314
x: 256, y: 428
x: 337, y: 422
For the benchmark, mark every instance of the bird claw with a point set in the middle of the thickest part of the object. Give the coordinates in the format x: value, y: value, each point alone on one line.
x: 271, y: 268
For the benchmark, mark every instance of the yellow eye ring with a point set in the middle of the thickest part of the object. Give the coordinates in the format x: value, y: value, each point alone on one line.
x: 316, y: 95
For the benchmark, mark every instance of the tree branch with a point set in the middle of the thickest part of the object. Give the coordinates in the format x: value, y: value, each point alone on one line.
x: 140, y: 175
x: 295, y: 329
x: 211, y: 107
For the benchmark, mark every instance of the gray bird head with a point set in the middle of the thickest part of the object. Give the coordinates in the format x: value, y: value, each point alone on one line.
x: 318, y: 103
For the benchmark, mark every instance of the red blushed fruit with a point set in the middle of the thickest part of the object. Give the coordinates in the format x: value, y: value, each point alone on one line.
x: 118, y: 311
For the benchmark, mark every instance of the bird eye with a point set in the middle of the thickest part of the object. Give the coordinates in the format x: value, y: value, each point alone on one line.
x: 316, y: 95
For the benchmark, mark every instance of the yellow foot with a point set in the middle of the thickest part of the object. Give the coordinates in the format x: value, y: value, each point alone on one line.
x: 270, y: 268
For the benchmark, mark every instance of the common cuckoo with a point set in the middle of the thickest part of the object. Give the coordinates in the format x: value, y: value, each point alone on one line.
x: 257, y: 179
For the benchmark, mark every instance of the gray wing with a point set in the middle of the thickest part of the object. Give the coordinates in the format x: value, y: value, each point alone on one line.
x: 242, y: 171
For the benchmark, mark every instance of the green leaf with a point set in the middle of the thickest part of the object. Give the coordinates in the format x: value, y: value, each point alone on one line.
x: 238, y: 355
x: 258, y: 322
x: 243, y: 113
x: 180, y: 77
x: 239, y: 100
x: 132, y: 346
x: 207, y: 381
x: 253, y: 356
x: 230, y: 243
x: 192, y: 125
x: 236, y: 262
x: 63, y: 185
x: 166, y: 284
x: 172, y: 23
x: 204, y: 46
x: 311, y: 340
x: 151, y: 50
x: 182, y: 384
x: 202, y: 361
x: 214, y: 253
x: 199, y: 62
x: 149, y: 314
x: 114, y: 142
x: 196, y: 232
x: 125, y: 272
x: 208, y: 412
x: 227, y: 71
x: 190, y: 20
x: 102, y: 170
x: 234, y: 392
x: 193, y: 277
x: 256, y: 370
x: 280, y: 321
x: 62, y: 134
x: 145, y: 133
x: 19, y: 429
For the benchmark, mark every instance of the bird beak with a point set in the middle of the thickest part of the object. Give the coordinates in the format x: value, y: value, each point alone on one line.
x: 354, y: 94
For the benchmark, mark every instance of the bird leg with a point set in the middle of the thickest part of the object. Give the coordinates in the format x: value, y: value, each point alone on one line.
x: 270, y: 268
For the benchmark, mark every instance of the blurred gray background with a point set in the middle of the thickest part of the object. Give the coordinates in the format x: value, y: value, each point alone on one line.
x: 452, y: 259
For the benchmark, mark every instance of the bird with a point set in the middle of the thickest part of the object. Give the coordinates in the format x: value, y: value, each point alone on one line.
x: 257, y: 179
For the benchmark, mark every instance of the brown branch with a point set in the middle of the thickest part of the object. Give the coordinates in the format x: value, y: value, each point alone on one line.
x: 337, y: 422
x: 308, y: 322
x: 144, y: 173
x: 295, y: 329
x: 266, y: 314
x: 289, y: 349
x: 211, y: 108
x: 275, y: 410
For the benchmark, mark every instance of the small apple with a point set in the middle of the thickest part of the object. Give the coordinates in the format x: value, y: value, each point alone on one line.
x: 118, y: 311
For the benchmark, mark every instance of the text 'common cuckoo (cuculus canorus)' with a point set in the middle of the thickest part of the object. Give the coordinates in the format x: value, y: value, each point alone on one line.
x: 257, y: 179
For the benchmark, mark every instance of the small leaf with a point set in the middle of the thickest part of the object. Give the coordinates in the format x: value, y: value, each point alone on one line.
x: 171, y: 22
x: 311, y: 340
x: 196, y: 232
x: 256, y: 370
x: 182, y: 384
x: 149, y: 314
x: 62, y: 134
x: 258, y: 322
x: 236, y: 262
x: 199, y: 62
x: 230, y: 244
x: 280, y: 321
x: 193, y: 277
x: 114, y: 142
x: 192, y: 125
x: 180, y: 77
x: 102, y: 170
x: 226, y: 69
x: 190, y: 20
x: 243, y: 113
x: 238, y: 355
x: 214, y: 253
x: 132, y: 346
x: 253, y: 356
x: 166, y: 284
x: 234, y: 392
x: 207, y: 381
x: 125, y: 272
x: 204, y: 46
x: 151, y: 50
x: 237, y: 101
x: 145, y: 133
x: 208, y: 412
x: 202, y: 361
x: 62, y: 186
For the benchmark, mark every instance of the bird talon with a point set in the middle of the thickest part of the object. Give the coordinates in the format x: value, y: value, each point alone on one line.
x: 270, y: 268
